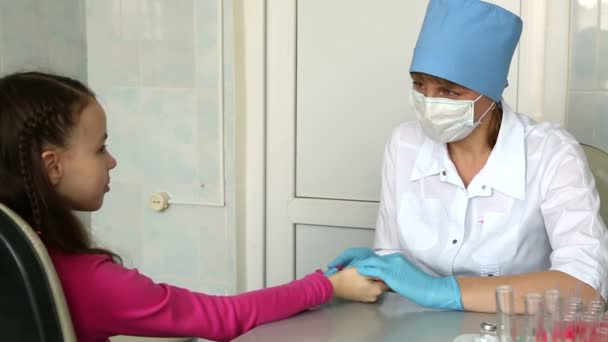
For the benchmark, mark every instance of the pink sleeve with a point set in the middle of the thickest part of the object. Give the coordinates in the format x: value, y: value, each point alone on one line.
x: 125, y: 302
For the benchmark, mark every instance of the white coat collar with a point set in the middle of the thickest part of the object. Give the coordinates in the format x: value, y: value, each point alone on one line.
x: 505, y: 169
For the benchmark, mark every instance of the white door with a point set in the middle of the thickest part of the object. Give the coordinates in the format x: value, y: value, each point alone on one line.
x: 337, y: 83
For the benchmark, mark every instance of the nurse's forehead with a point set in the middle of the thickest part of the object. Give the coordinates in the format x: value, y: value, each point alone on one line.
x: 435, y: 80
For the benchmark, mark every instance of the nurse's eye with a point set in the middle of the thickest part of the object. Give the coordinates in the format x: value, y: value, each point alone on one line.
x: 103, y: 149
x: 449, y: 92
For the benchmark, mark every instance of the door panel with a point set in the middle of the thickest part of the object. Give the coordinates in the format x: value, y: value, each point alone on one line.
x: 318, y: 245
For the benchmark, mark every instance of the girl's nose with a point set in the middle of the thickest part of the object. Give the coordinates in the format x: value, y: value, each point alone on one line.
x: 112, y: 163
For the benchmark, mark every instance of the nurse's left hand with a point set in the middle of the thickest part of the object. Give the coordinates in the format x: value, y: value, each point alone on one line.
x: 407, y: 280
x: 347, y: 257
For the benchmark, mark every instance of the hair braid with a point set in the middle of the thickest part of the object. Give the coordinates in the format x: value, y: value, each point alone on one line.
x: 28, y: 182
x: 28, y: 146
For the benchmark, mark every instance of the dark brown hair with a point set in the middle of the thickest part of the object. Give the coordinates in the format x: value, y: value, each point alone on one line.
x: 497, y: 111
x: 38, y: 110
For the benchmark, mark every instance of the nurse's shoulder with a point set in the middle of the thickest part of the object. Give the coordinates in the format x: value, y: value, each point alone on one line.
x: 408, y: 134
x: 548, y: 137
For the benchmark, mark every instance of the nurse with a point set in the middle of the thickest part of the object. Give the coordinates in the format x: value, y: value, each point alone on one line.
x: 475, y: 195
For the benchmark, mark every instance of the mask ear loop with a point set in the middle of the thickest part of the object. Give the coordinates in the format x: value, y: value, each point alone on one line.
x: 487, y: 110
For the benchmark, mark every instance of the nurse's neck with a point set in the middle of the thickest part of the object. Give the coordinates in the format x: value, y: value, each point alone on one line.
x: 470, y: 154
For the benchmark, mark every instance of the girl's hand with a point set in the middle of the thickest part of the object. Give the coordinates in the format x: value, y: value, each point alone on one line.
x: 349, y: 284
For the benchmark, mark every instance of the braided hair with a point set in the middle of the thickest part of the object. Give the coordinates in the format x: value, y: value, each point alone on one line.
x: 38, y: 110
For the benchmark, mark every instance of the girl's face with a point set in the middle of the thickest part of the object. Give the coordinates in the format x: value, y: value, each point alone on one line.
x: 80, y: 172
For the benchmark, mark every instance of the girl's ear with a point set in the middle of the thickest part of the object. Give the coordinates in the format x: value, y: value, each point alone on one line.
x: 52, y: 165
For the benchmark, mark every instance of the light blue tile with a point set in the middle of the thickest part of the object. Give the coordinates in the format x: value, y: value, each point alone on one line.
x: 603, y: 46
x: 118, y: 224
x: 584, y: 47
x: 64, y: 19
x: 167, y: 20
x: 125, y: 126
x: 601, y: 134
x: 210, y: 137
x: 68, y: 57
x: 581, y: 115
x: 131, y: 21
x: 216, y: 289
x: 171, y: 243
x: 171, y: 137
x: 123, y: 100
x: 167, y: 64
x: 103, y: 19
x: 112, y: 62
x: 216, y: 265
x: 167, y: 49
x: 209, y: 65
x: 603, y: 62
x: 208, y: 80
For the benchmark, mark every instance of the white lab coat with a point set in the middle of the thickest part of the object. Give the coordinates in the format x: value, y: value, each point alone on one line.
x: 532, y: 207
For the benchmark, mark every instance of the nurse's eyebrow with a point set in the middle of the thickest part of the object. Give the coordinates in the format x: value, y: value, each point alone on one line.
x: 104, y: 137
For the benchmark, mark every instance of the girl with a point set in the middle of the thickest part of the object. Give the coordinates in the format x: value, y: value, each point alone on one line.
x: 53, y: 159
x: 475, y: 195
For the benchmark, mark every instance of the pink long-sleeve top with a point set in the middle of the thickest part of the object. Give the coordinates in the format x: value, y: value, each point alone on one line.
x: 107, y: 299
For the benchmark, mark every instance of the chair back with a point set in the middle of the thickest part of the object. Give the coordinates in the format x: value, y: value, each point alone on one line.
x: 32, y: 303
x: 598, y: 162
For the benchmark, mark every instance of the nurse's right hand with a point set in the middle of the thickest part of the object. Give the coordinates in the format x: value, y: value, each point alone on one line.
x: 347, y: 257
x: 349, y: 284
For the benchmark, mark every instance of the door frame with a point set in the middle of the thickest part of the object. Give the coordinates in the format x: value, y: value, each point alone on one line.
x: 250, y: 94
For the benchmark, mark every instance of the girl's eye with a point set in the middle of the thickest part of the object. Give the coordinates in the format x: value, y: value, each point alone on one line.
x: 103, y: 149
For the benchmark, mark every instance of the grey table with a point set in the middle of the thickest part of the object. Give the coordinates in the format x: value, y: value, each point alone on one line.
x: 393, y: 318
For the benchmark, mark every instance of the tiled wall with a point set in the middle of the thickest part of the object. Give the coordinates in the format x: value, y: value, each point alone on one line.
x: 156, y: 66
x: 46, y: 35
x: 163, y: 71
x: 587, y: 113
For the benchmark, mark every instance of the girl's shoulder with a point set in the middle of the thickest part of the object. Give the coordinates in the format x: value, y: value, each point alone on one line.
x: 68, y: 265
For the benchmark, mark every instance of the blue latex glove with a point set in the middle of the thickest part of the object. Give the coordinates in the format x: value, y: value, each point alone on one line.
x: 407, y: 280
x: 347, y: 257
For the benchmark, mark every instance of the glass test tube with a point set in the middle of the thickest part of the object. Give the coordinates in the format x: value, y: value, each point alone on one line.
x: 575, y: 307
x: 505, y: 311
x: 569, y: 324
x: 602, y: 334
x: 596, y: 307
x: 535, y: 318
x: 588, y: 328
x: 553, y: 313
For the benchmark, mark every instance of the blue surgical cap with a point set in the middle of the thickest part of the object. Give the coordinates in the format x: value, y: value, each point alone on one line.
x: 469, y: 42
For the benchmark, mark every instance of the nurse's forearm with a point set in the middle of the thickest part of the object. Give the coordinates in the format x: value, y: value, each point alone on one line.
x: 478, y: 293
